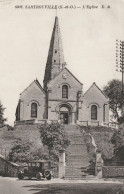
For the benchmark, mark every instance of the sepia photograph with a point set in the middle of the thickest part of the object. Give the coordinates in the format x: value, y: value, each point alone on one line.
x: 61, y: 97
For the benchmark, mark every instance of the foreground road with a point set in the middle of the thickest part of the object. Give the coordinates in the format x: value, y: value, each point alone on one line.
x: 57, y: 186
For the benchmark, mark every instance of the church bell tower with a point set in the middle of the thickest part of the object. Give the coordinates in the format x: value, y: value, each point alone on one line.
x: 55, y: 60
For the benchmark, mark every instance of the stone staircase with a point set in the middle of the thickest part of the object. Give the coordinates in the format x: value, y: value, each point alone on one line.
x: 77, y: 156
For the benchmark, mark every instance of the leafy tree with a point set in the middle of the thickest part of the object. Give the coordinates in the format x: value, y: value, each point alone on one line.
x: 118, y: 141
x: 113, y: 90
x: 118, y: 138
x: 2, y: 119
x: 25, y: 151
x: 55, y: 138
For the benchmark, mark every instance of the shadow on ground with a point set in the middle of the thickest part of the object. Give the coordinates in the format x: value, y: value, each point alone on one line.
x: 79, y: 188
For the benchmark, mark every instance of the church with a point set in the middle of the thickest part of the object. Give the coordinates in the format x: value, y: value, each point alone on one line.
x: 61, y: 98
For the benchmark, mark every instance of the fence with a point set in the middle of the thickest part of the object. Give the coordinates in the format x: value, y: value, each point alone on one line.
x: 96, y: 123
x: 25, y: 122
x: 33, y: 121
x: 82, y: 123
x: 44, y: 121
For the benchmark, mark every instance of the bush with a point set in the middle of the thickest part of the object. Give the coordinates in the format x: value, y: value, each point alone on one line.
x: 55, y: 138
x: 23, y: 152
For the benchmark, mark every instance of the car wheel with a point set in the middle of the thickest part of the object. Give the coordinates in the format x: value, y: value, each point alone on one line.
x: 49, y: 177
x: 38, y: 176
x: 20, y: 176
x: 47, y: 174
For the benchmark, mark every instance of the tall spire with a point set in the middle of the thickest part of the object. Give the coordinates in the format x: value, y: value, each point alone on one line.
x: 55, y: 60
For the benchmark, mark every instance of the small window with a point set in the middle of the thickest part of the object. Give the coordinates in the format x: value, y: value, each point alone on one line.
x: 94, y: 112
x: 64, y: 91
x: 55, y: 51
x: 34, y: 110
x: 54, y: 61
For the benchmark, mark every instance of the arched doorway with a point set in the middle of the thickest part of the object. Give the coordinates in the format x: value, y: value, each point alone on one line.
x: 65, y: 114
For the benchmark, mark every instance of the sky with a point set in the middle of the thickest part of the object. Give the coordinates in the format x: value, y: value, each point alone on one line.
x: 88, y: 35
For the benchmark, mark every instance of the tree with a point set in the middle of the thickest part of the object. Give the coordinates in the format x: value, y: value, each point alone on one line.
x: 118, y: 142
x: 25, y: 151
x: 118, y: 137
x: 55, y: 138
x: 113, y: 90
x: 2, y: 119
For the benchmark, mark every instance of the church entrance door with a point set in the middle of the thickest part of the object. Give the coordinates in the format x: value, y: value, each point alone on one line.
x: 65, y: 114
x: 64, y: 118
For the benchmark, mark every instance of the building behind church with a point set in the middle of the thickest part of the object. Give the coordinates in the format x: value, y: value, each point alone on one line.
x: 61, y: 98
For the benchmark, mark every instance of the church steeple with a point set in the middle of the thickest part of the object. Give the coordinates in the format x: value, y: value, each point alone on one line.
x: 55, y: 60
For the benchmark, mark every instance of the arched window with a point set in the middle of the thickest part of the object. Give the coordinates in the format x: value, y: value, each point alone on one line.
x: 34, y: 110
x: 94, y: 112
x: 64, y: 91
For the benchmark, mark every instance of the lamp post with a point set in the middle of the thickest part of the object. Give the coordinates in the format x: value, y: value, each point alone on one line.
x: 120, y: 66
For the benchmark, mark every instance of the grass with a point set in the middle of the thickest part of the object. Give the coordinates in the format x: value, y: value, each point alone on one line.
x: 27, y: 135
x: 102, y: 137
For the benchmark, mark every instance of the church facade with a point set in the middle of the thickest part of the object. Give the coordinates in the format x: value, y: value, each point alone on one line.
x: 61, y: 98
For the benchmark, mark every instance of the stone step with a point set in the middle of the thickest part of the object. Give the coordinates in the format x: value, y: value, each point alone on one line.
x: 77, y: 133
x: 87, y: 176
x: 81, y: 167
x: 80, y: 178
x: 81, y: 151
x: 77, y: 146
x: 77, y: 165
x: 75, y: 168
x: 73, y: 176
x: 76, y: 160
x: 77, y: 155
x: 71, y: 153
x: 73, y: 165
x: 74, y: 132
x: 77, y: 141
x: 82, y: 163
x: 73, y: 172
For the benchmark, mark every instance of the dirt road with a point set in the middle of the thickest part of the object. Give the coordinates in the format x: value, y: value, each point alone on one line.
x: 57, y: 186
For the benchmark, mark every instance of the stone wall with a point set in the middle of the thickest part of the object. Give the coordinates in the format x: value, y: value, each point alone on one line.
x: 112, y: 171
x: 7, y: 168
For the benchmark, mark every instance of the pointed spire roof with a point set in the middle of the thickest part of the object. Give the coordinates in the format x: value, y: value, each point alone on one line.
x: 55, y: 60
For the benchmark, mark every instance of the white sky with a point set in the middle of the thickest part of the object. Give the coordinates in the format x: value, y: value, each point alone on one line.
x: 89, y: 40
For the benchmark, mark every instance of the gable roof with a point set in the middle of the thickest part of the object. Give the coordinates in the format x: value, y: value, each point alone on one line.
x: 69, y: 72
x: 94, y: 84
x: 37, y: 83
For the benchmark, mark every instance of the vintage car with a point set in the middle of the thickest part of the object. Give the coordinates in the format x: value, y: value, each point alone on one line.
x: 36, y: 169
